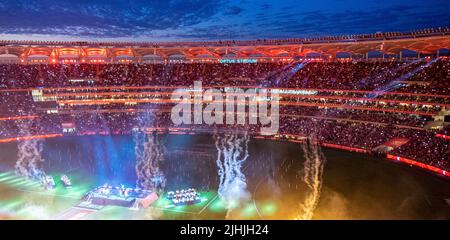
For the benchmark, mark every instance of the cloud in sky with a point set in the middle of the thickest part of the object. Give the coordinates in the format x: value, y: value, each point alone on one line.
x: 182, y: 20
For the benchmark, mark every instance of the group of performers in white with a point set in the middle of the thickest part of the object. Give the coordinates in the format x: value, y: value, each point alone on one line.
x: 184, y: 197
x: 49, y: 183
x: 122, y: 191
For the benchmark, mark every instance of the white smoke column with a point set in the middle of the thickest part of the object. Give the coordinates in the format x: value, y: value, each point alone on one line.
x: 29, y: 156
x: 149, y: 153
x: 29, y: 159
x: 312, y: 176
x: 232, y: 151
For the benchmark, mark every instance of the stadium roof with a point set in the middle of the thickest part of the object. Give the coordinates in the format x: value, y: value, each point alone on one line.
x: 423, y: 41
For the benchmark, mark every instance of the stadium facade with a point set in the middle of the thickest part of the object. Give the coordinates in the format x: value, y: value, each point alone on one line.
x: 387, y: 45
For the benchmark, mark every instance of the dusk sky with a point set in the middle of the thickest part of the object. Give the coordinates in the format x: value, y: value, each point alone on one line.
x: 184, y: 20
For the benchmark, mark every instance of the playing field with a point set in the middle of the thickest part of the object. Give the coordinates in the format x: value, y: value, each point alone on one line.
x: 355, y: 186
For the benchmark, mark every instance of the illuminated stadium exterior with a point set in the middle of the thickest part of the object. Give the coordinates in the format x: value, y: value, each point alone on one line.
x: 428, y: 41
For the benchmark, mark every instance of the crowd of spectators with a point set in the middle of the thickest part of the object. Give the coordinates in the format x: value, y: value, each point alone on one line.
x: 425, y: 146
x: 358, y: 115
x: 446, y: 130
x: 337, y: 116
x: 370, y: 76
x: 16, y: 104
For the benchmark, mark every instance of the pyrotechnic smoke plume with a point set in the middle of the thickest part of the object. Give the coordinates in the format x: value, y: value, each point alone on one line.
x: 29, y: 156
x: 149, y: 153
x: 232, y: 151
x: 312, y: 176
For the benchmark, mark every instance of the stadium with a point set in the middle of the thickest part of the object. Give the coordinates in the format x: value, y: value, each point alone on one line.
x: 87, y: 128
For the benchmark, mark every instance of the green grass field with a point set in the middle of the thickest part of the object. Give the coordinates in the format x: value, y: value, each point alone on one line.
x: 26, y: 199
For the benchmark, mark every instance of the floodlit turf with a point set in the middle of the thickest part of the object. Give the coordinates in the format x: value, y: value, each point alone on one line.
x: 23, y: 199
x: 26, y: 199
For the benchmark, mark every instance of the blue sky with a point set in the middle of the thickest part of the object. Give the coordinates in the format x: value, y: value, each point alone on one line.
x: 187, y: 20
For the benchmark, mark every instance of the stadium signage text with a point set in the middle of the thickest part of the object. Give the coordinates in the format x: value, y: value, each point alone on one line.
x: 239, y: 60
x: 294, y: 92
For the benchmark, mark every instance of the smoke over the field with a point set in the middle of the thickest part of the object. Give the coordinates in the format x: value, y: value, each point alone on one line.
x: 312, y: 177
x: 232, y: 152
x: 149, y: 152
x: 29, y: 156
